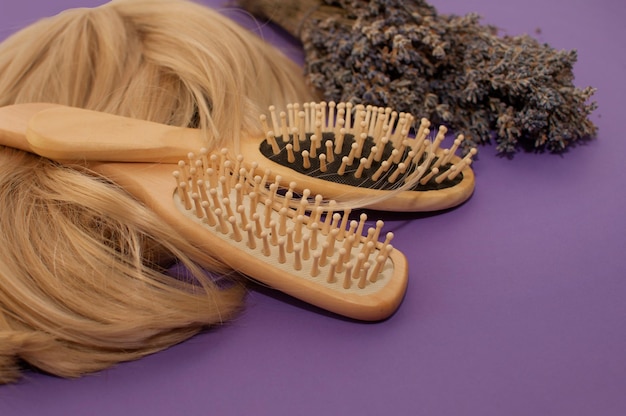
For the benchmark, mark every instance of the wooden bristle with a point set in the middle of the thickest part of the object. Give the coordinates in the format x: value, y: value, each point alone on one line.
x: 305, y: 236
x: 317, y: 139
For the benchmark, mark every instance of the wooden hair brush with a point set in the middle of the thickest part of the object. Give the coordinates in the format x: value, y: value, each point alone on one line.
x: 355, y: 155
x: 290, y: 242
x: 365, y: 153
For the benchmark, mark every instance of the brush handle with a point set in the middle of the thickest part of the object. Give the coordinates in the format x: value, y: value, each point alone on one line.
x: 14, y: 121
x: 69, y: 133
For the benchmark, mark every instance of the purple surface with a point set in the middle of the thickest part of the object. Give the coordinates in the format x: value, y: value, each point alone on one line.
x: 516, y: 301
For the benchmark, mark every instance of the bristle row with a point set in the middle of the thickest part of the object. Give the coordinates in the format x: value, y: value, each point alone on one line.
x: 361, y: 145
x: 295, y: 231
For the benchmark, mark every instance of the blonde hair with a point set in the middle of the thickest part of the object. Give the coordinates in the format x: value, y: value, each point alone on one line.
x: 83, y: 266
x: 169, y: 61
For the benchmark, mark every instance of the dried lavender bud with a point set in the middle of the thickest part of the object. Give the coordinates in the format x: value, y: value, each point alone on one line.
x: 451, y: 69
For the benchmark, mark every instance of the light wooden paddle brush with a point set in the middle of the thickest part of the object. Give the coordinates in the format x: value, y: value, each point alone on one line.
x: 295, y: 244
x: 360, y: 157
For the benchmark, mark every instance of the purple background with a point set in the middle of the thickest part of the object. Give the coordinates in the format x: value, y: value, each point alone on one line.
x: 516, y: 303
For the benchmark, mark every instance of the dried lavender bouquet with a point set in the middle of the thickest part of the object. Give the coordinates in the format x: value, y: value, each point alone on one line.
x: 451, y: 69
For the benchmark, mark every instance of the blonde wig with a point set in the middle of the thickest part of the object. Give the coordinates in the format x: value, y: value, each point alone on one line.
x: 169, y: 61
x: 83, y: 266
